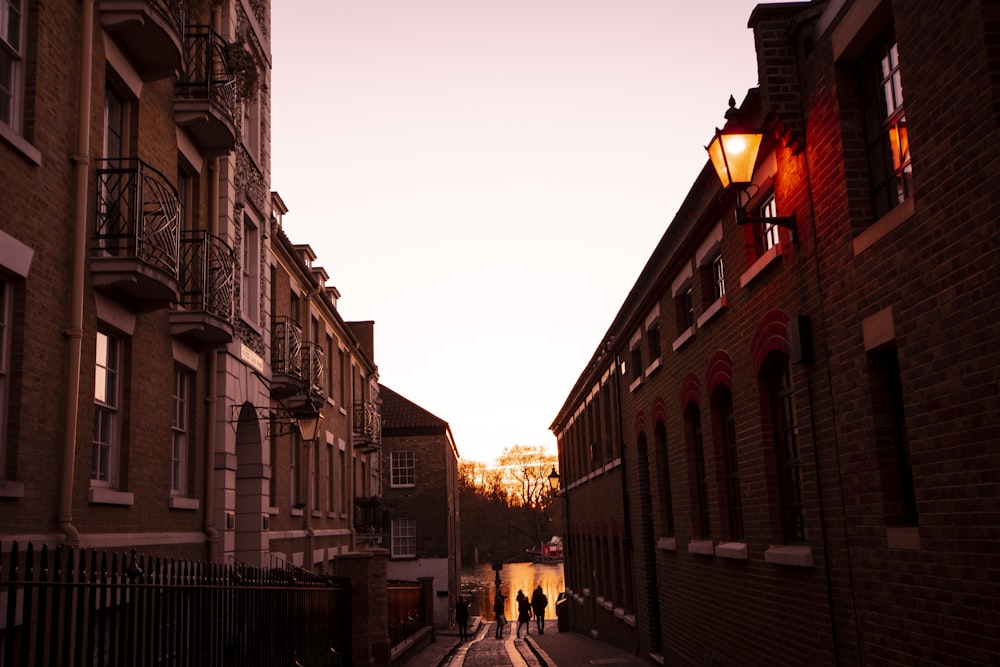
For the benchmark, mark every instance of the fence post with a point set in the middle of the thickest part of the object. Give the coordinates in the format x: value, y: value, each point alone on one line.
x: 427, y: 591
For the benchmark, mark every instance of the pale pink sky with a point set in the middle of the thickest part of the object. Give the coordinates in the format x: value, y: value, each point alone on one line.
x: 486, y: 178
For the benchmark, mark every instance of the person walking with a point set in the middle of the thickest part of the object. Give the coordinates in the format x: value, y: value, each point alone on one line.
x: 523, y: 614
x: 538, y: 604
x: 462, y: 618
x: 498, y: 605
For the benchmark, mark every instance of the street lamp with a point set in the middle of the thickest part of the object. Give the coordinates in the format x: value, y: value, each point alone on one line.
x: 307, y: 419
x: 554, y: 479
x: 733, y: 152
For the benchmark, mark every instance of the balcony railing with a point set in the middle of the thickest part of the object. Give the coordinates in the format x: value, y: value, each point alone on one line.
x: 150, y: 32
x: 206, y: 92
x: 137, y: 232
x: 207, y: 283
x: 367, y: 427
x: 286, y: 357
x: 371, y: 516
x: 312, y: 367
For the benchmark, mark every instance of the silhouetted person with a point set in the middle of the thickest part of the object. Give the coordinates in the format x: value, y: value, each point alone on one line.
x: 538, y: 604
x: 498, y: 613
x: 462, y: 618
x: 523, y: 613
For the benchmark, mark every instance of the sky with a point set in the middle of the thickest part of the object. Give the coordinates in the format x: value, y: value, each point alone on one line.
x: 485, y: 179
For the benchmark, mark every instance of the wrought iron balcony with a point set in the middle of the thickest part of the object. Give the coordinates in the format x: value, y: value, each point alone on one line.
x: 286, y: 357
x: 207, y: 283
x: 371, y: 517
x: 312, y: 367
x: 205, y: 103
x: 137, y: 235
x: 367, y: 427
x: 149, y: 31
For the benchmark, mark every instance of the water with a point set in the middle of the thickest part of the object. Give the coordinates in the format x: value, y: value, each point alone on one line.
x: 478, y: 584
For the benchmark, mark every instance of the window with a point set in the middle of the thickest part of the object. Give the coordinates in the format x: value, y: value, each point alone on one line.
x: 402, y: 468
x: 114, y: 123
x: 343, y: 481
x: 107, y: 397
x: 636, y: 354
x: 653, y: 339
x: 888, y: 144
x: 684, y: 301
x: 765, y: 233
x: 666, y: 493
x: 11, y: 62
x: 5, y: 335
x: 718, y: 278
x: 251, y: 271
x: 726, y: 433
x: 404, y: 537
x: 179, y: 455
x: 315, y: 476
x: 331, y: 475
x: 295, y: 472
x: 784, y: 432
x: 696, y: 449
x: 251, y: 126
x: 272, y: 445
x: 892, y: 449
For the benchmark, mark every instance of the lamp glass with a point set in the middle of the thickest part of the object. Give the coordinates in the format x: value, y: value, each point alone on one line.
x: 308, y: 419
x: 554, y: 480
x: 734, y: 156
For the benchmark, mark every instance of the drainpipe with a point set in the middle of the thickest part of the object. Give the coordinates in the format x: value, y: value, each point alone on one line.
x: 74, y: 333
x: 211, y: 398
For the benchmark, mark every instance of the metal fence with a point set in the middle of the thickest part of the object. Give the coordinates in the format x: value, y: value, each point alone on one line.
x: 70, y: 607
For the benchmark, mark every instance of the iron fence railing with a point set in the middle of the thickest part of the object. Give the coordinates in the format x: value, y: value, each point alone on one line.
x: 286, y: 347
x: 205, y: 74
x: 367, y: 424
x: 207, y: 274
x: 73, y: 608
x: 137, y: 214
x: 312, y: 367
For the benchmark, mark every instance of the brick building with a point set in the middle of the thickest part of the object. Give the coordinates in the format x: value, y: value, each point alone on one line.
x: 420, y: 482
x: 158, y: 330
x: 784, y: 449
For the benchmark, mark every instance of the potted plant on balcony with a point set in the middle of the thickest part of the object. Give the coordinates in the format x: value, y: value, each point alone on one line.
x: 243, y: 66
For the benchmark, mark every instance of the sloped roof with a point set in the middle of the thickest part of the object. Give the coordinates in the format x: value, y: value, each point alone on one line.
x: 401, y: 415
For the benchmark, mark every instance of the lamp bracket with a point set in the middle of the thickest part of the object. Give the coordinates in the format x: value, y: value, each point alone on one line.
x: 280, y: 421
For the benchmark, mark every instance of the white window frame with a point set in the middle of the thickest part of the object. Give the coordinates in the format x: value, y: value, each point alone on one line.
x: 250, y: 266
x: 12, y: 44
x: 403, y: 537
x: 179, y: 454
x: 107, y: 410
x: 769, y: 232
x: 402, y: 468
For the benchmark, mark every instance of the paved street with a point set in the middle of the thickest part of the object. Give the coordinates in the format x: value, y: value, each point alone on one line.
x: 551, y: 649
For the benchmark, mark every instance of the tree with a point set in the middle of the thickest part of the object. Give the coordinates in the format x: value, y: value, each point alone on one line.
x: 526, y: 474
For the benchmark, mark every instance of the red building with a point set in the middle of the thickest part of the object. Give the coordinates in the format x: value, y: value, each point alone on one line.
x: 784, y: 450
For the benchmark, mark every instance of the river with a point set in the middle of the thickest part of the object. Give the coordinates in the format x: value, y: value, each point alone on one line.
x: 478, y: 584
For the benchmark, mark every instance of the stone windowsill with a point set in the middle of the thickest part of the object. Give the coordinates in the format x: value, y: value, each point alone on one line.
x: 685, y: 336
x: 711, y: 311
x: 666, y: 543
x: 734, y: 550
x: 789, y: 554
x: 99, y: 495
x: 701, y: 547
x: 183, y: 503
x: 772, y: 255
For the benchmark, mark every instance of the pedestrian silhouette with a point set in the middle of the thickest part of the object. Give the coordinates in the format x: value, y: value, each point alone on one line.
x: 538, y: 604
x: 498, y: 605
x: 523, y: 613
x: 462, y: 618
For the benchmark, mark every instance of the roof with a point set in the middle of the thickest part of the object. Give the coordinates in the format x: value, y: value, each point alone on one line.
x: 401, y: 415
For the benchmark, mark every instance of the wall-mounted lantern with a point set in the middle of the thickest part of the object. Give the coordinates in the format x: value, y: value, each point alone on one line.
x: 554, y: 479
x: 733, y: 151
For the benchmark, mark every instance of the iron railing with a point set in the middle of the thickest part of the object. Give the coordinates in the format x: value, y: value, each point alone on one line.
x: 206, y: 75
x: 73, y: 608
x: 286, y: 347
x: 137, y: 214
x: 207, y: 274
x: 312, y: 367
x: 371, y: 516
x: 367, y: 425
